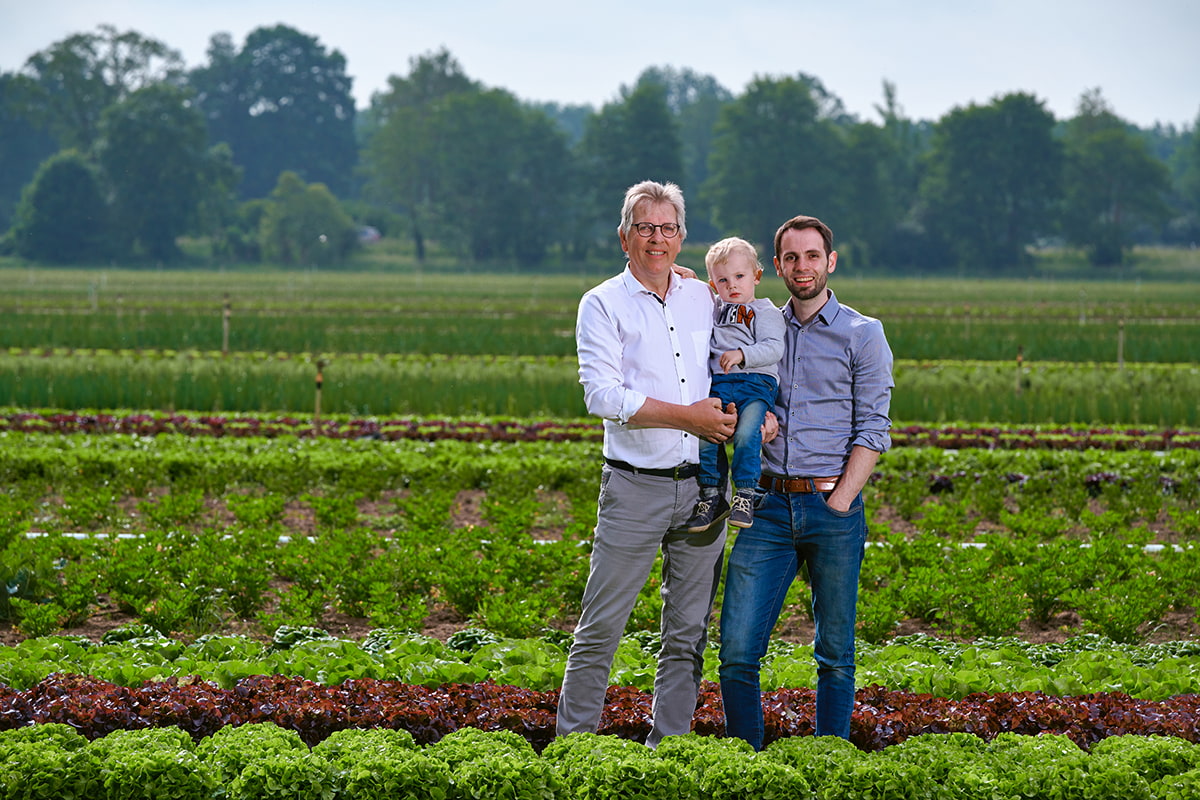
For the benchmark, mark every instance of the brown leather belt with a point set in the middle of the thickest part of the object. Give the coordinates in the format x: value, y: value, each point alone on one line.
x: 798, y: 485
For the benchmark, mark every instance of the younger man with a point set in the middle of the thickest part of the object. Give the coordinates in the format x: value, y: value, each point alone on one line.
x: 746, y: 345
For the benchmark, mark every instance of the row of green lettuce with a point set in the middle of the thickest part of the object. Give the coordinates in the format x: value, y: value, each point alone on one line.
x: 191, y: 535
x: 1141, y: 482
x: 262, y: 761
x: 917, y: 663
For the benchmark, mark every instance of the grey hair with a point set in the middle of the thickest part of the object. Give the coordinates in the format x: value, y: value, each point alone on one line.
x: 653, y: 192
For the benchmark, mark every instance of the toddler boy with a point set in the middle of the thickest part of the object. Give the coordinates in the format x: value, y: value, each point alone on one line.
x: 746, y: 345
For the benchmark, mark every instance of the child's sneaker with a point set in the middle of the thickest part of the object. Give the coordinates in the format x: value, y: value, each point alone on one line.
x: 742, y: 514
x: 710, y: 510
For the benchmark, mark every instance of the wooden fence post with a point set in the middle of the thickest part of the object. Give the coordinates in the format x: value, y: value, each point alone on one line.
x: 225, y: 315
x: 1121, y: 344
x: 317, y: 404
x: 1020, y: 362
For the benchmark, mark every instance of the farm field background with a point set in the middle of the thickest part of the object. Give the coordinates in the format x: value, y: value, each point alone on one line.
x: 178, y: 491
x: 444, y: 349
x: 1019, y: 351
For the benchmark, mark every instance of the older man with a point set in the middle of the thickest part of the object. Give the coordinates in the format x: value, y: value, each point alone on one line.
x: 642, y: 341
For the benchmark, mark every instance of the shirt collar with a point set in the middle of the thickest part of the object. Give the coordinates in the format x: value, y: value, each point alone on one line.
x: 827, y: 314
x: 633, y: 285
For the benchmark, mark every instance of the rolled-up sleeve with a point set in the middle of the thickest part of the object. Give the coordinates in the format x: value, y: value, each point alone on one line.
x: 599, y: 347
x: 873, y: 383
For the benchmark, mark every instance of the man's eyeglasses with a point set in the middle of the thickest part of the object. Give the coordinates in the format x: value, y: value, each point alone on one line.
x: 645, y: 229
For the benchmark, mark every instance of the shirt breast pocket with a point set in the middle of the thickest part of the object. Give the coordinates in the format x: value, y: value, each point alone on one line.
x: 700, y: 342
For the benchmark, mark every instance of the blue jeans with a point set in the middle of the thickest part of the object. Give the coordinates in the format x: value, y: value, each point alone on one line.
x: 789, y: 529
x: 753, y: 393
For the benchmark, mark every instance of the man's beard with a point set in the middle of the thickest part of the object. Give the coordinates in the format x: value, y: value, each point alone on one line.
x: 807, y: 291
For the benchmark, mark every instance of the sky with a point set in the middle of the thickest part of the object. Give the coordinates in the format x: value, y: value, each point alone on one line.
x: 940, y: 54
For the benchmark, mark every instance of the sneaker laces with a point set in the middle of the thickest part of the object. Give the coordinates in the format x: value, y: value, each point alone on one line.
x: 742, y: 502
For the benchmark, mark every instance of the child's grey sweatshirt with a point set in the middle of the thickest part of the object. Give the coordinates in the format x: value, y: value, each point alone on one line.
x: 757, y: 328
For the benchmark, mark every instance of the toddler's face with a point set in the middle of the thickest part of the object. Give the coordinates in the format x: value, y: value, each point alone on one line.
x: 735, y: 280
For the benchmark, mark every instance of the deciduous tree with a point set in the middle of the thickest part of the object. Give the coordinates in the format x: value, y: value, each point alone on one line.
x: 24, y: 145
x: 303, y: 225
x: 401, y: 148
x: 282, y: 102
x: 62, y: 215
x: 696, y: 101
x: 154, y: 154
x: 627, y: 141
x: 994, y: 181
x: 502, y: 169
x: 1113, y: 183
x: 774, y: 156
x: 72, y: 82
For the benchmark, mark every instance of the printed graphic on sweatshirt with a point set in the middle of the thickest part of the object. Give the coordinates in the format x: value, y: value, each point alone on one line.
x: 737, y: 314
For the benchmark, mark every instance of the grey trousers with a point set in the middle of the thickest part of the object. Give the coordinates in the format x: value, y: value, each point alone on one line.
x: 638, y: 515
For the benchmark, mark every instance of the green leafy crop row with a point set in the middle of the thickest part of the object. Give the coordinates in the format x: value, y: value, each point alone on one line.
x: 191, y: 534
x: 262, y: 762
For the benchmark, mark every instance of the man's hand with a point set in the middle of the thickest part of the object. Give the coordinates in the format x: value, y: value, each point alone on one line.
x: 858, y: 470
x: 731, y: 359
x: 683, y: 272
x: 770, y: 427
x: 710, y: 422
x: 704, y: 418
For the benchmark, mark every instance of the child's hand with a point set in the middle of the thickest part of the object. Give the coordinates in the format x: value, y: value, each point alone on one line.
x: 731, y: 359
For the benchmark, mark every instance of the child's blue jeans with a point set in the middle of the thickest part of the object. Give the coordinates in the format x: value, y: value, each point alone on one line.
x: 754, y: 394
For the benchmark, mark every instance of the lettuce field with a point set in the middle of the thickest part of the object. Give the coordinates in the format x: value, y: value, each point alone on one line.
x: 330, y: 531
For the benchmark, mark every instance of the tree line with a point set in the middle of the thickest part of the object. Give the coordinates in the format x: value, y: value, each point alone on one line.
x: 112, y: 149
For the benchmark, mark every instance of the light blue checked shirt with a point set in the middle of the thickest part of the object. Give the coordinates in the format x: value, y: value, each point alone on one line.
x: 835, y: 387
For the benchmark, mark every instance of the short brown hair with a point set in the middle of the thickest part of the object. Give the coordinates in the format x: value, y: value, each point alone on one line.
x: 799, y: 223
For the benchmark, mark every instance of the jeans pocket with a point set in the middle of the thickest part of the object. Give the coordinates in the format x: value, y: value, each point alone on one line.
x: 855, y: 507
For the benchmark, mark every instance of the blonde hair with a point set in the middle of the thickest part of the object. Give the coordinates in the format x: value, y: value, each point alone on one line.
x: 726, y: 249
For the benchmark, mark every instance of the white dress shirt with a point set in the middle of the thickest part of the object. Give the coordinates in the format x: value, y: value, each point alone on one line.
x: 632, y: 345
